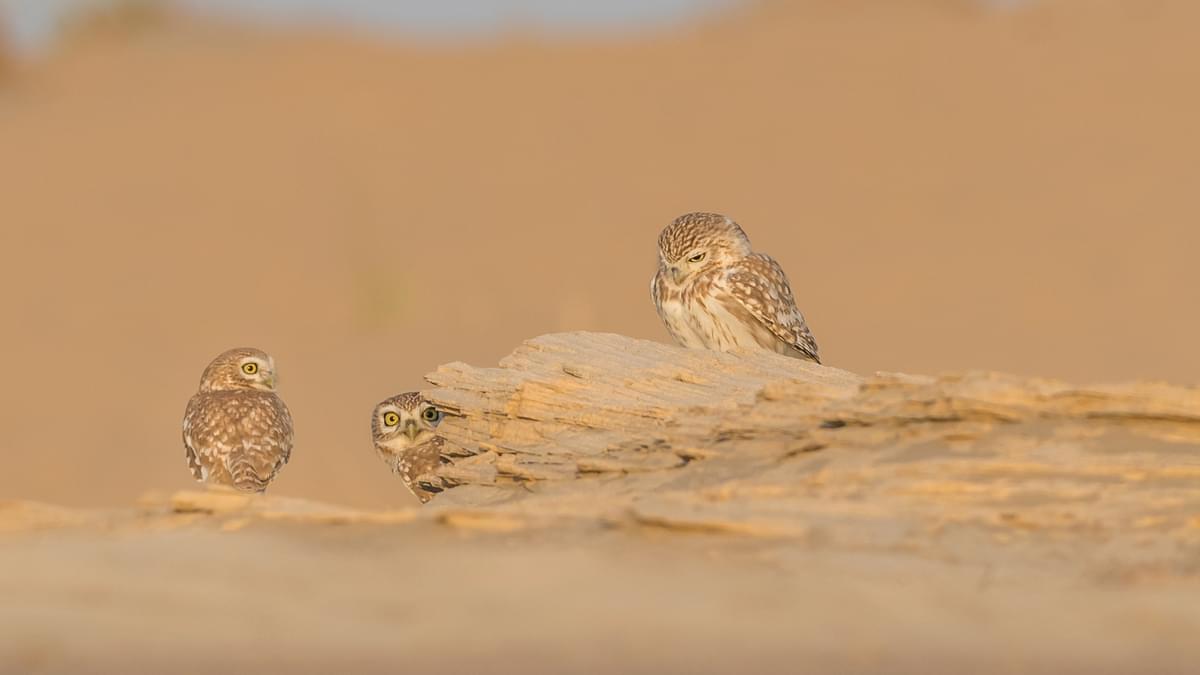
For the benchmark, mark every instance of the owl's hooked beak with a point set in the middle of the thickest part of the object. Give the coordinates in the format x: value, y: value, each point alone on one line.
x: 676, y: 274
x: 411, y: 429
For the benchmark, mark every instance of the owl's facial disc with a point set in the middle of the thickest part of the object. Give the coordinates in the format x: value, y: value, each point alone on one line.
x: 401, y: 428
x: 683, y: 269
x: 420, y: 423
x: 411, y: 429
x: 431, y: 416
x: 389, y: 419
x: 392, y: 421
x: 258, y: 373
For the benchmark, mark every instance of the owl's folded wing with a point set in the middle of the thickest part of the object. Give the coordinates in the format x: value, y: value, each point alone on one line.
x: 286, y: 433
x: 760, y: 287
x: 195, y: 426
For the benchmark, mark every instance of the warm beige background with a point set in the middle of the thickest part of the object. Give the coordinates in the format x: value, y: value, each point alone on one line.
x: 948, y: 189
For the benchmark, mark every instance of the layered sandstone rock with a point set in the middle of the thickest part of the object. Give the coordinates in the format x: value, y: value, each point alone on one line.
x: 599, y: 428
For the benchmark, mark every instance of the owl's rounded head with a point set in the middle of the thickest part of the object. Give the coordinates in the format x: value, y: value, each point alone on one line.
x: 403, y: 421
x: 695, y: 242
x: 238, y: 370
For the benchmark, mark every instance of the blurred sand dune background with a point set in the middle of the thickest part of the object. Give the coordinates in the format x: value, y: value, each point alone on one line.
x: 949, y: 187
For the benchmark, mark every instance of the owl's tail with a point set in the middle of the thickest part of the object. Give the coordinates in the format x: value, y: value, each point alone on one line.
x: 249, y: 476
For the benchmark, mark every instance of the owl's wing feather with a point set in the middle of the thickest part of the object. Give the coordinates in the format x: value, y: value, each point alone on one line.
x: 418, y: 466
x: 196, y: 429
x: 759, y: 287
x: 287, y: 435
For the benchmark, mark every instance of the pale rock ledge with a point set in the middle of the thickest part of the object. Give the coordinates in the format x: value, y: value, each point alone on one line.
x: 601, y: 428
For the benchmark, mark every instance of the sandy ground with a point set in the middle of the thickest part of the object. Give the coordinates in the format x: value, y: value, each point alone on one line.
x: 291, y: 598
x: 947, y: 189
x: 316, y: 589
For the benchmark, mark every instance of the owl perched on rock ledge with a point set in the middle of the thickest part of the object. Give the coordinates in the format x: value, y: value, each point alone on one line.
x: 236, y: 430
x: 403, y: 429
x: 714, y: 292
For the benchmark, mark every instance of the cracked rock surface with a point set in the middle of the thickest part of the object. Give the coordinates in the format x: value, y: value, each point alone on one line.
x: 1095, y: 482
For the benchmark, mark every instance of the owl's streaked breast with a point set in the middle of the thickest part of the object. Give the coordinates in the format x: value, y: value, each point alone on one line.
x: 675, y: 309
x: 678, y: 318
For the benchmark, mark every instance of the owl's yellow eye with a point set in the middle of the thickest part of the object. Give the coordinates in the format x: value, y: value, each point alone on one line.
x: 432, y: 414
x: 390, y: 419
x: 250, y: 368
x: 699, y: 257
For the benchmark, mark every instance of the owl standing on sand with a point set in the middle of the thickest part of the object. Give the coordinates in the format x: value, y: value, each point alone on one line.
x: 236, y: 431
x: 404, y: 431
x: 713, y: 292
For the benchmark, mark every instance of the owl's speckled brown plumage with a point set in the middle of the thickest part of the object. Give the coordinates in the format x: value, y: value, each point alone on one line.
x: 403, y: 430
x: 713, y: 292
x: 237, y: 432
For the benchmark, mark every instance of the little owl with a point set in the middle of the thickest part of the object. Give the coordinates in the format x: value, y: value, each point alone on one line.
x: 236, y: 431
x: 713, y: 292
x: 403, y: 429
